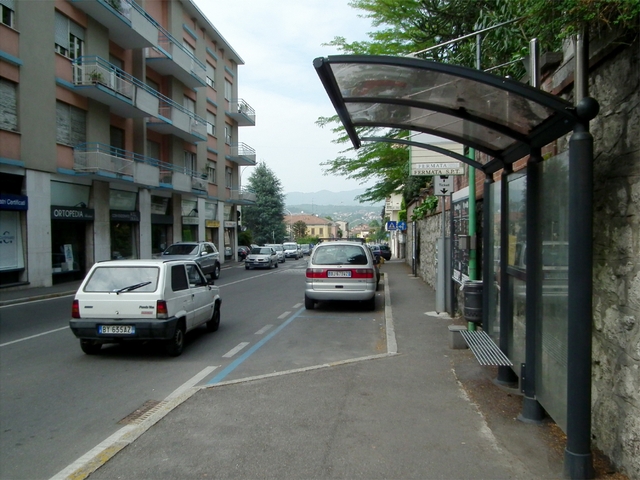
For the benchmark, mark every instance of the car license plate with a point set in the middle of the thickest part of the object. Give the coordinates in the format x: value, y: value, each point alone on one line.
x: 116, y: 329
x: 336, y: 273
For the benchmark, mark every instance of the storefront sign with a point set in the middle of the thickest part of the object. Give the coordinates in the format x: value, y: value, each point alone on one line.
x: 190, y: 220
x: 72, y: 213
x: 212, y: 223
x: 13, y: 202
x: 228, y: 224
x: 125, y: 216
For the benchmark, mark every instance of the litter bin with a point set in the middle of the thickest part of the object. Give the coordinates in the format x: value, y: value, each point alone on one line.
x: 473, y: 301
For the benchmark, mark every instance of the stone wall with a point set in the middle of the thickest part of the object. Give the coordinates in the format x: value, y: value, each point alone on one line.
x: 615, y: 83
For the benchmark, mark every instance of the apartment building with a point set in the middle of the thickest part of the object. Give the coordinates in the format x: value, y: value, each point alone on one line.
x: 119, y: 134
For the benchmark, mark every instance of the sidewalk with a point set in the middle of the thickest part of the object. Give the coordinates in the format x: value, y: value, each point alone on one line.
x: 425, y: 412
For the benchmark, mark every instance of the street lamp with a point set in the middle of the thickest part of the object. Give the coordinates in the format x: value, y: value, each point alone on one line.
x: 289, y: 223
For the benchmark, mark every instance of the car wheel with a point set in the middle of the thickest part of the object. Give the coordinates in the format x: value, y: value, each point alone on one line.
x: 216, y: 271
x: 370, y: 304
x: 175, y: 345
x: 214, y: 323
x: 277, y: 264
x: 309, y: 303
x: 90, y: 347
x: 246, y: 267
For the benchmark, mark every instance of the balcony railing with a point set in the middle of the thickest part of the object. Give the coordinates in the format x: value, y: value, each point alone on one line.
x: 170, y: 57
x: 95, y: 71
x: 242, y: 195
x: 242, y: 113
x: 129, y: 25
x: 175, y: 119
x: 242, y: 154
x: 108, y: 161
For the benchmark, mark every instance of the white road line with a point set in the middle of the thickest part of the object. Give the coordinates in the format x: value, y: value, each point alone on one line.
x: 285, y: 314
x: 263, y: 329
x: 297, y: 306
x: 37, y: 300
x: 33, y: 336
x: 235, y: 350
x: 103, y: 452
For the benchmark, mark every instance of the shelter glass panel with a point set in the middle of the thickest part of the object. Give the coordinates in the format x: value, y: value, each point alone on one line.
x: 551, y: 381
x: 492, y: 255
x: 517, y: 211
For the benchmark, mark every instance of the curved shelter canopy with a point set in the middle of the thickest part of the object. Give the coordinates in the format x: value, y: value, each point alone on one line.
x: 498, y: 116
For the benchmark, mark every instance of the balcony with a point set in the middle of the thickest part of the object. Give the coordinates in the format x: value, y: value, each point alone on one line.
x: 242, y: 196
x: 242, y: 113
x: 174, y: 119
x: 243, y: 154
x: 182, y: 179
x: 111, y: 162
x: 171, y: 58
x: 129, y: 25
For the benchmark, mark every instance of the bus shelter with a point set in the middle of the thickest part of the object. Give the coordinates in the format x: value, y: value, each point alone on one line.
x: 508, y: 121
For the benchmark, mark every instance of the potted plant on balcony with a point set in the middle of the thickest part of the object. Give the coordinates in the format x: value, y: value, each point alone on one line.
x: 96, y: 77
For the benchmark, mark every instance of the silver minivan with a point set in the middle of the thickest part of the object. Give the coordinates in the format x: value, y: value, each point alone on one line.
x: 341, y: 270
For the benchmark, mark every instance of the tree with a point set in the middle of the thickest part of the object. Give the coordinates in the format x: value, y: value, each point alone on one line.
x: 407, y: 26
x: 299, y: 229
x: 264, y: 219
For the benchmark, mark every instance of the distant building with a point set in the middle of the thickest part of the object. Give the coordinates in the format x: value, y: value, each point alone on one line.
x: 316, y: 226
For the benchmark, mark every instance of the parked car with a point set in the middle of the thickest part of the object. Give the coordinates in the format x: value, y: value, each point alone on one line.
x: 306, y: 248
x: 385, y: 251
x: 261, y: 257
x: 204, y: 253
x: 375, y: 249
x: 134, y: 300
x: 279, y: 250
x: 243, y: 252
x: 341, y: 270
x: 292, y: 250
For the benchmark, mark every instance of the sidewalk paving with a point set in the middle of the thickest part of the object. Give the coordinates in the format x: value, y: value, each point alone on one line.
x: 425, y: 412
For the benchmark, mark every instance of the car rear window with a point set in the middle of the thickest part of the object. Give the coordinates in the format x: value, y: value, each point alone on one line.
x: 340, y: 255
x: 181, y: 250
x: 111, y: 279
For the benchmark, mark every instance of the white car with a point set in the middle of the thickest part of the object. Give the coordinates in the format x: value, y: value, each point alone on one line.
x: 292, y: 250
x: 279, y: 250
x: 134, y: 300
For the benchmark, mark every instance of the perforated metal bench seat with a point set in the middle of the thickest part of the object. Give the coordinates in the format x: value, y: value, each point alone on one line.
x: 485, y: 349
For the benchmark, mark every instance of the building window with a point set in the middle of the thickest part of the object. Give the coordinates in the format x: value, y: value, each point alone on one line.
x: 189, y: 162
x: 189, y: 103
x: 227, y: 134
x: 211, y: 172
x: 228, y: 173
x: 228, y: 90
x: 313, y: 231
x: 69, y: 37
x: 71, y: 125
x: 189, y: 48
x: 8, y: 11
x: 211, y: 123
x: 8, y: 105
x: 153, y: 149
x: 211, y: 75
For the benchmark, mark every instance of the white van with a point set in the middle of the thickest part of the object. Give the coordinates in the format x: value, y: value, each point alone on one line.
x: 292, y: 250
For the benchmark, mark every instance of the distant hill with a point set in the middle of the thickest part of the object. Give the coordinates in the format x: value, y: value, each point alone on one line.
x: 326, y: 197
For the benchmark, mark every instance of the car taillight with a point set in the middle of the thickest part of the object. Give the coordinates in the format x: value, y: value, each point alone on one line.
x: 316, y: 273
x: 362, y: 273
x: 75, y: 309
x: 161, y: 309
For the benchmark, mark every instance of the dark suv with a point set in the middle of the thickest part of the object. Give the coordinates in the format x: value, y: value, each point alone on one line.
x: 204, y: 254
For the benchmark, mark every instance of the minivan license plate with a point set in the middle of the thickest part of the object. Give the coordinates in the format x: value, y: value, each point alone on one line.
x: 335, y: 273
x: 117, y: 329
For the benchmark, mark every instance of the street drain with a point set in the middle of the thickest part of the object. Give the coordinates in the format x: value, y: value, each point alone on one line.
x: 141, y: 413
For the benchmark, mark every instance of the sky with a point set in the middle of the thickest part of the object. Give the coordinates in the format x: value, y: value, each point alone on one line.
x: 278, y: 41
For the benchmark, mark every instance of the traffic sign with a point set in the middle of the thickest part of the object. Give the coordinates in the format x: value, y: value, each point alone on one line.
x: 391, y: 226
x: 443, y: 185
x: 402, y: 226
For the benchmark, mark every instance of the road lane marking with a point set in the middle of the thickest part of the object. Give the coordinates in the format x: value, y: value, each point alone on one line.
x: 284, y: 315
x: 233, y: 365
x: 297, y: 305
x: 103, y: 452
x: 33, y: 336
x: 235, y: 350
x: 263, y: 329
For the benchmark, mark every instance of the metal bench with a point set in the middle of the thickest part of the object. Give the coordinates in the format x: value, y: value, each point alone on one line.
x: 484, y: 348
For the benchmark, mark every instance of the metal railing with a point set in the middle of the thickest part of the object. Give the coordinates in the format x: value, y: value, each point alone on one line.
x: 165, y: 49
x: 93, y: 70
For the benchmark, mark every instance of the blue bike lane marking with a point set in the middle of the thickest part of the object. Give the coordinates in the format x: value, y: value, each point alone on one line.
x: 236, y: 363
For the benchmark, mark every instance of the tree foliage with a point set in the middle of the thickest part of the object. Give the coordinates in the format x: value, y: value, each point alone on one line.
x: 299, y: 229
x: 264, y: 219
x: 412, y: 26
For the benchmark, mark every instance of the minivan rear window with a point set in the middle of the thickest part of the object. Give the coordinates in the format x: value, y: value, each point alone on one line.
x: 340, y: 255
x: 111, y: 279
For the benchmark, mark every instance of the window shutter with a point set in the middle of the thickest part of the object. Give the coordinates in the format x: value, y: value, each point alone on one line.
x: 10, y: 4
x: 76, y: 30
x: 62, y: 123
x: 8, y: 105
x: 78, y: 131
x: 62, y: 30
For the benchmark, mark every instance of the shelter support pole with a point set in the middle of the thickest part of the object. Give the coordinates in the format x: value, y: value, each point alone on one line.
x: 506, y: 376
x: 578, y: 459
x: 488, y: 263
x: 440, y: 272
x: 532, y: 412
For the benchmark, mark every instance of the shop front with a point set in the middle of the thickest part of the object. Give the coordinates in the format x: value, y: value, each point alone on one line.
x: 190, y: 220
x: 124, y: 225
x: 211, y: 223
x: 11, y: 239
x: 161, y: 224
